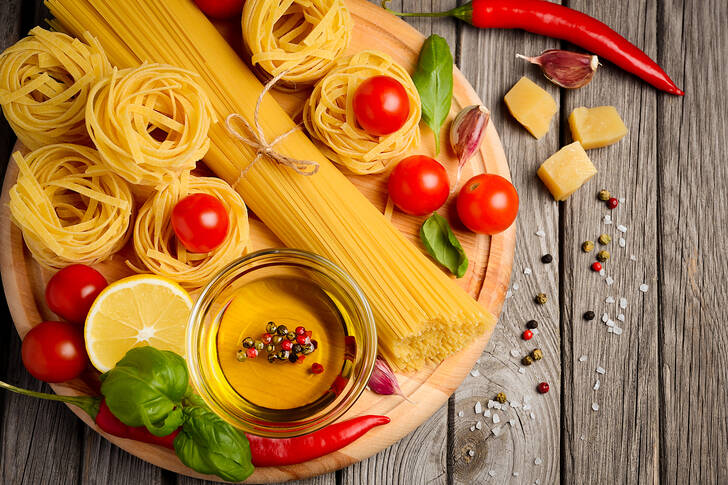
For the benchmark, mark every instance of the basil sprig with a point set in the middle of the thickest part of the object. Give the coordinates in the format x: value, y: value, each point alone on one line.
x: 433, y: 79
x: 146, y: 389
x: 441, y: 243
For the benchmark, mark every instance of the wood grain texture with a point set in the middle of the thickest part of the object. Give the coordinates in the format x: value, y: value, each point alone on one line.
x: 692, y: 216
x: 518, y: 445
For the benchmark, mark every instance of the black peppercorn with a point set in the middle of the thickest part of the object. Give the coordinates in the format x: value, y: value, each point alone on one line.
x: 282, y: 330
x: 272, y: 358
x: 271, y: 327
x: 248, y: 343
x: 532, y: 324
x: 297, y: 348
x: 283, y: 354
x: 293, y: 358
x: 589, y: 315
x: 546, y: 258
x: 291, y: 336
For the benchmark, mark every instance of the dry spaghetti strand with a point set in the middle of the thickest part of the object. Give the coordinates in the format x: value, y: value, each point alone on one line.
x: 149, y: 123
x: 329, y: 115
x: 160, y: 251
x: 44, y: 82
x: 70, y: 208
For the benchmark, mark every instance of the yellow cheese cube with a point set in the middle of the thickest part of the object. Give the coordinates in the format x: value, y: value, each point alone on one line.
x: 531, y: 105
x: 566, y: 170
x: 596, y: 127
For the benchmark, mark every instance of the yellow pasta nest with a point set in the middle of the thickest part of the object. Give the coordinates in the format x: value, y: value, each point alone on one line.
x: 44, y: 82
x: 149, y: 123
x: 158, y: 248
x: 69, y: 206
x: 300, y: 37
x: 329, y: 115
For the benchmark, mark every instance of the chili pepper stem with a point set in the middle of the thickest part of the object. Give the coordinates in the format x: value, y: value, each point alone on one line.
x: 89, y: 404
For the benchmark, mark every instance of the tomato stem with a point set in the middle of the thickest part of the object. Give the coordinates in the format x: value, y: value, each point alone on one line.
x: 89, y: 404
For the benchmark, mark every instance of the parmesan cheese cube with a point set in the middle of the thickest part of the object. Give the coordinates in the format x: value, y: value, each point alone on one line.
x: 532, y: 106
x: 596, y: 127
x: 566, y: 170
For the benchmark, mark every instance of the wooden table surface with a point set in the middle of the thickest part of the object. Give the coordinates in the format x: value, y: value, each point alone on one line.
x: 662, y: 413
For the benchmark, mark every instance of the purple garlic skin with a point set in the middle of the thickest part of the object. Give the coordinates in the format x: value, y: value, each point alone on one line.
x: 466, y: 134
x: 567, y: 69
x: 383, y: 381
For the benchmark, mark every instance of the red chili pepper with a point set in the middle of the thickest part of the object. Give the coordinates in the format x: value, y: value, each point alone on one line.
x: 554, y: 20
x: 111, y: 424
x: 289, y: 451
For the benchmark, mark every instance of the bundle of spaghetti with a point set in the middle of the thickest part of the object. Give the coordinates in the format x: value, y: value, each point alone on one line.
x: 149, y: 123
x: 69, y: 206
x: 302, y: 38
x: 329, y: 114
x: 161, y: 252
x: 420, y: 313
x: 44, y: 82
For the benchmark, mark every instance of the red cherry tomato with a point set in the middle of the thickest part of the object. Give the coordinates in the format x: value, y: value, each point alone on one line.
x: 488, y: 204
x: 419, y: 185
x: 200, y: 222
x: 72, y: 290
x: 381, y: 105
x: 54, y: 351
x: 220, y: 9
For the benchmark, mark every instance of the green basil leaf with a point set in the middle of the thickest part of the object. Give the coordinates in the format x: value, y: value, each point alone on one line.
x: 146, y: 388
x: 433, y: 79
x: 209, y: 445
x: 442, y: 245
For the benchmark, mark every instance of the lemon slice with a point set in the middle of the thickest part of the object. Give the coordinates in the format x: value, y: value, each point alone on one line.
x: 134, y: 312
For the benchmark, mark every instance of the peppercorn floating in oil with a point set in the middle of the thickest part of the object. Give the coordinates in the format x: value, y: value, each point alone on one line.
x: 284, y: 346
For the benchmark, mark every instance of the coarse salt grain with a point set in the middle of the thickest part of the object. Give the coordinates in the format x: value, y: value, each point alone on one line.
x: 479, y: 425
x: 504, y: 406
x: 622, y: 242
x: 496, y: 418
x: 632, y: 257
x: 535, y: 331
x: 527, y: 271
x: 540, y: 233
x: 515, y: 474
x: 582, y: 437
x: 609, y: 299
x: 607, y: 219
x: 621, y: 317
x: 610, y: 330
x: 491, y: 473
x: 622, y: 228
x: 582, y: 358
x: 515, y: 353
x: 596, y: 385
x: 491, y: 403
x: 471, y: 452
x: 512, y: 422
x: 516, y: 286
x: 486, y: 414
x: 537, y: 461
x: 622, y: 200
x: 532, y: 416
x: 605, y: 317
x: 618, y: 331
x: 526, y: 407
x: 609, y: 280
x: 623, y: 303
x: 478, y: 408
x: 644, y: 287
x: 509, y: 294
x: 521, y: 370
x: 595, y: 406
x: 600, y: 370
x: 461, y: 414
x: 610, y: 323
x: 472, y: 428
x: 496, y: 431
x: 602, y: 272
x: 475, y: 372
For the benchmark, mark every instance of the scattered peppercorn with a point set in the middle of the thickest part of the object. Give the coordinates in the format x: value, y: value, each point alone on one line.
x: 541, y: 298
x: 293, y: 358
x: 536, y: 354
x: 272, y: 358
x: 596, y: 266
x: 604, y: 239
x: 282, y: 330
x: 248, y: 343
x: 300, y: 330
x: 291, y: 335
x: 241, y: 355
x: 527, y: 360
x: 287, y: 345
x: 612, y: 203
x: 590, y: 315
x: 301, y: 339
x: 543, y: 388
x: 604, y: 195
x: 532, y: 324
x: 271, y: 327
x: 603, y: 255
x: 527, y: 335
x: 277, y: 339
x: 546, y: 258
x: 300, y: 358
x: 317, y: 368
x: 283, y: 354
x: 266, y: 338
x: 259, y: 345
x: 587, y: 246
x: 501, y: 397
x: 252, y: 353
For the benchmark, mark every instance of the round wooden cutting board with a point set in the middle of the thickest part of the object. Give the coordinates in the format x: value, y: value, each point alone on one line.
x: 486, y: 280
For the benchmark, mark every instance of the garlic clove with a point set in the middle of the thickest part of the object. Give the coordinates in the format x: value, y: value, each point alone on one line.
x: 383, y: 381
x: 466, y: 134
x: 567, y: 69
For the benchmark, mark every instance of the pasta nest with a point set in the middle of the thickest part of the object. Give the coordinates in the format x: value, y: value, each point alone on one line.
x: 44, y: 82
x: 69, y: 206
x: 302, y: 38
x: 329, y: 115
x: 159, y: 250
x: 150, y: 123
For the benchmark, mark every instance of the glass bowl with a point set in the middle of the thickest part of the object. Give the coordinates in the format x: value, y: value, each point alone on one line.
x: 205, y: 369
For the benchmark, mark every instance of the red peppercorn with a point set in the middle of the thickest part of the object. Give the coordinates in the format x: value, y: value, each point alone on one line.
x: 543, y: 388
x: 252, y: 353
x: 302, y: 339
x: 596, y: 266
x: 286, y: 345
x: 266, y: 338
x: 315, y: 344
x: 317, y: 368
x: 612, y: 203
x: 527, y: 335
x: 300, y: 330
x: 300, y: 359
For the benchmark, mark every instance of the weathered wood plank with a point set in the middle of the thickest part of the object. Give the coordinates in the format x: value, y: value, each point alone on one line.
x: 619, y: 442
x: 421, y: 456
x: 488, y: 62
x: 104, y: 463
x: 692, y: 217
x: 328, y: 479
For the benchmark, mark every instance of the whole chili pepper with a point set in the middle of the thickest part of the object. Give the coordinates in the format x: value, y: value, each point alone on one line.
x: 554, y: 20
x: 289, y: 451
